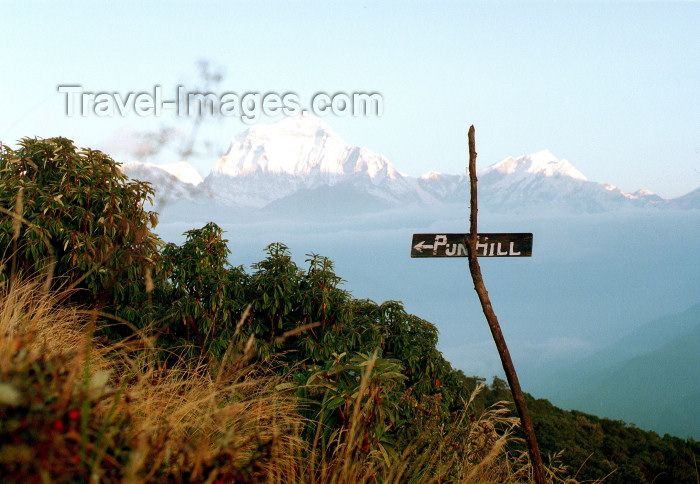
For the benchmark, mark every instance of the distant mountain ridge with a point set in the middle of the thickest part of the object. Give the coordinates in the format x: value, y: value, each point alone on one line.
x: 173, y: 181
x: 300, y: 155
x: 649, y: 377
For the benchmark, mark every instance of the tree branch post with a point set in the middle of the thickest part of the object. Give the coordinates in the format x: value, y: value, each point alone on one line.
x: 538, y: 472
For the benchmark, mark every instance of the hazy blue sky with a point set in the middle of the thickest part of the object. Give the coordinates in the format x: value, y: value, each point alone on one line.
x: 610, y: 86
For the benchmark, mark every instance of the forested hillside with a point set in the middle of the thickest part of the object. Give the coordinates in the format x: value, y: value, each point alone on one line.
x: 615, y: 381
x: 124, y: 358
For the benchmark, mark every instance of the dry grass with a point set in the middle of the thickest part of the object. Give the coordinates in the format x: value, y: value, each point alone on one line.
x: 122, y: 415
x: 74, y: 410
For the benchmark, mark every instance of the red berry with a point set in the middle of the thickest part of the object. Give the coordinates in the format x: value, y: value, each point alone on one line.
x: 74, y: 414
x: 58, y: 426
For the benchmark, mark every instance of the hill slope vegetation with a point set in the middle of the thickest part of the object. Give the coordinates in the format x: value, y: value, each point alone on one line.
x: 167, y: 363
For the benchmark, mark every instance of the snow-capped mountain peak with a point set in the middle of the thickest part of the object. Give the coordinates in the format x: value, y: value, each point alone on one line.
x: 181, y: 170
x: 643, y: 192
x: 301, y: 146
x: 431, y: 175
x: 542, y: 163
x: 269, y: 162
x: 184, y: 172
x: 639, y: 194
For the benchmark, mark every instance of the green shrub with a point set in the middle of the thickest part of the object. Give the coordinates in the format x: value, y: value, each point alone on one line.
x: 81, y: 219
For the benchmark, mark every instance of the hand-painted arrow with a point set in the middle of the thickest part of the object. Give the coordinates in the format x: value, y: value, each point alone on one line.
x: 422, y: 245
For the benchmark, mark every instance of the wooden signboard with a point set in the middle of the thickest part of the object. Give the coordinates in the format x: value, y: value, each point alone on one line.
x: 455, y: 245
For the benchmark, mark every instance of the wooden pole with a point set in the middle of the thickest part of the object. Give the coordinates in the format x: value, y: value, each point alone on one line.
x: 538, y: 472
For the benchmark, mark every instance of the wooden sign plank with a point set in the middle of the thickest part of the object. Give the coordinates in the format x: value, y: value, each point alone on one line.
x: 455, y: 245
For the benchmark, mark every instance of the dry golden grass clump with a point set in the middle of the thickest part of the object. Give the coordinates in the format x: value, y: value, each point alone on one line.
x: 75, y: 409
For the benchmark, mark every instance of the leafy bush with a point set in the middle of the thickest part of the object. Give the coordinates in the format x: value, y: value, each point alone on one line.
x: 72, y: 212
x: 198, y: 292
